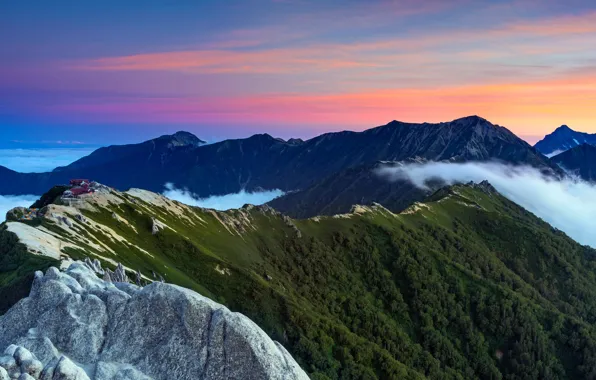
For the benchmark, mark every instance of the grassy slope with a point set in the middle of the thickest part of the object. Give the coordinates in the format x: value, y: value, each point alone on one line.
x: 17, y: 267
x: 441, y: 292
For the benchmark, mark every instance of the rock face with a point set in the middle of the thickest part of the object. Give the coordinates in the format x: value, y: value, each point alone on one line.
x: 74, y: 325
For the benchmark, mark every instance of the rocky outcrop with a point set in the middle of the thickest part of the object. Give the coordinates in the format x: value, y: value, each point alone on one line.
x: 16, y: 213
x: 74, y: 325
x: 155, y: 226
x: 290, y: 223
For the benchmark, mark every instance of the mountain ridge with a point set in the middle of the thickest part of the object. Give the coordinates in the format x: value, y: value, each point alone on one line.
x: 579, y: 160
x: 459, y: 285
x: 263, y: 162
x: 562, y: 139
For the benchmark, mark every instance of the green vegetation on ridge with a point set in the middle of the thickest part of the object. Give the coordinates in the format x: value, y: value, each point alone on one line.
x: 467, y: 285
x: 17, y: 267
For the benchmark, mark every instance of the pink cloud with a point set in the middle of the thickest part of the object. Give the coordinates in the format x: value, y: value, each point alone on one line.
x: 568, y: 34
x: 526, y: 107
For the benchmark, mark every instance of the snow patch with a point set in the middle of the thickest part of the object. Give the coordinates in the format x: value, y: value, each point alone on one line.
x: 554, y: 153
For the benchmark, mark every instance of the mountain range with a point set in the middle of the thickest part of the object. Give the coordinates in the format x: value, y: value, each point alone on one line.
x: 306, y: 169
x: 357, y: 277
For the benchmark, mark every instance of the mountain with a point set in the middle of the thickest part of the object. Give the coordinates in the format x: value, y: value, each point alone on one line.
x: 463, y: 285
x: 357, y: 185
x: 580, y: 161
x: 263, y: 162
x: 134, y: 163
x: 562, y: 139
x: 122, y: 331
x: 135, y: 153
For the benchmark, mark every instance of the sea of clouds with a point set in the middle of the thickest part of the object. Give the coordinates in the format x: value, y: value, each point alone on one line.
x: 569, y: 205
x: 222, y: 202
x: 40, y: 160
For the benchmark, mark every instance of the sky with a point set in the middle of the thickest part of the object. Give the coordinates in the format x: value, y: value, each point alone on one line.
x: 91, y: 73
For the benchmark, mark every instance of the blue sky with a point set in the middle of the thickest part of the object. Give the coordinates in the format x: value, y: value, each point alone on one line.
x: 105, y: 72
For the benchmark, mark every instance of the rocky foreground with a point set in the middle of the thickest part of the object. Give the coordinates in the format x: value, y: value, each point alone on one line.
x: 75, y: 325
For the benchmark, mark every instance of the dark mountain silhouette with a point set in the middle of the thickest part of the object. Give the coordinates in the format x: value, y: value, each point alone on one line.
x: 264, y: 162
x: 358, y: 185
x: 580, y: 161
x: 562, y: 139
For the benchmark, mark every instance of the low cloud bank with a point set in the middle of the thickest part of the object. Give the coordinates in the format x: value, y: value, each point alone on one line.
x: 40, y: 160
x: 569, y: 205
x: 222, y: 202
x: 8, y: 202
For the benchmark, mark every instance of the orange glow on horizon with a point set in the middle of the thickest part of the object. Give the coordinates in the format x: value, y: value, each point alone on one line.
x: 526, y: 109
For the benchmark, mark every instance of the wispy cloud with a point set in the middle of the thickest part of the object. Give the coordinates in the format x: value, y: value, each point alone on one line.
x: 569, y: 205
x: 525, y: 64
x: 529, y: 40
x: 221, y: 202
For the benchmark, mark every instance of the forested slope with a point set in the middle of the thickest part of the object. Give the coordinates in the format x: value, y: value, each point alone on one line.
x: 466, y: 285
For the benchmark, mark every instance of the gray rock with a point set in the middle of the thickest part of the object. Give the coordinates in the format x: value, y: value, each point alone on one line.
x: 4, y: 374
x: 32, y: 367
x: 9, y: 365
x: 8, y: 362
x: 67, y: 370
x: 119, y: 275
x: 22, y: 354
x: 138, y: 278
x: 10, y: 350
x: 155, y: 227
x: 94, y: 265
x: 77, y: 326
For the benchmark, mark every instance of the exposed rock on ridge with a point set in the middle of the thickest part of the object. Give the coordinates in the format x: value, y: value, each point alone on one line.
x: 74, y: 325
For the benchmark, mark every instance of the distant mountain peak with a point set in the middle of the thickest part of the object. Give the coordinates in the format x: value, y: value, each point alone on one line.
x: 472, y: 120
x: 564, y: 129
x: 184, y: 134
x: 264, y: 137
x: 183, y: 138
x: 563, y: 138
x: 295, y: 141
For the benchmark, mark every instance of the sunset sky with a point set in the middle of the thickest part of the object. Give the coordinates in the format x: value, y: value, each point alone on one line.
x: 97, y: 72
